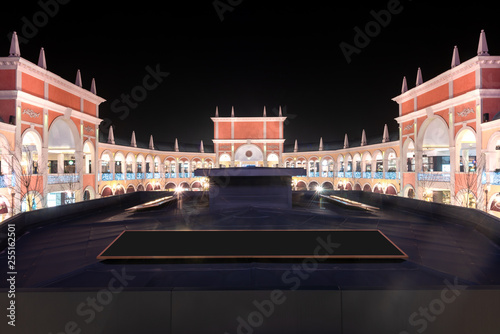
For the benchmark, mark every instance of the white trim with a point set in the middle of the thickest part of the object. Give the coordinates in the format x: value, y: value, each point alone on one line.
x: 42, y: 103
x: 146, y: 151
x: 246, y: 141
x: 446, y: 104
x: 246, y: 119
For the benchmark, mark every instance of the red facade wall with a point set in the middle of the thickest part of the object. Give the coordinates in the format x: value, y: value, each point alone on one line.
x: 464, y: 84
x: 491, y: 78
x: 491, y: 106
x: 32, y: 85
x: 224, y: 130
x: 407, y: 107
x: 64, y: 98
x: 7, y: 109
x: 251, y: 130
x: 7, y: 79
x: 89, y: 108
x: 273, y: 130
x: 434, y: 96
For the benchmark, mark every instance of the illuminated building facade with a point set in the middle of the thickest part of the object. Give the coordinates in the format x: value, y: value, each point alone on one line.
x: 447, y: 150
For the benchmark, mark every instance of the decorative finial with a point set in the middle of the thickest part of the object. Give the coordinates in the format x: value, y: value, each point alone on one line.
x: 419, y: 77
x: 482, y: 48
x: 15, y: 51
x: 78, y: 80
x: 455, y: 59
x: 404, y: 86
x: 41, y: 59
x: 151, y: 143
x: 363, y: 138
x: 133, y: 142
x: 385, y: 136
x: 92, y: 87
x: 111, y: 135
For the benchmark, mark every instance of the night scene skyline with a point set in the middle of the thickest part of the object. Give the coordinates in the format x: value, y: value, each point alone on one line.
x: 309, y: 59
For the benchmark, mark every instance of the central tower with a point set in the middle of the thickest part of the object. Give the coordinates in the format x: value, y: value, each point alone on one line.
x: 248, y: 141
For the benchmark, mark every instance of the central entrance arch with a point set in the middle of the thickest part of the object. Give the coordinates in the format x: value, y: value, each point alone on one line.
x: 248, y: 155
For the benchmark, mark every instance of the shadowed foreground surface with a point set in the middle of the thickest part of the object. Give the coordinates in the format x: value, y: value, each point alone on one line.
x: 64, y: 254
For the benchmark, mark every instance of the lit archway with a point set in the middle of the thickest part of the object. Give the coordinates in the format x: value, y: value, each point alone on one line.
x: 435, y: 145
x: 248, y: 154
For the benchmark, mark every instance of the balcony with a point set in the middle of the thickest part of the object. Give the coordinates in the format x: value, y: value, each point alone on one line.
x: 378, y: 175
x: 149, y: 176
x: 367, y: 175
x: 348, y: 174
x: 391, y: 175
x: 119, y: 176
x: 434, y: 177
x: 104, y: 177
x: 340, y: 174
x: 156, y: 175
x: 7, y: 181
x: 130, y: 176
x: 357, y: 175
x: 67, y: 178
x: 139, y: 176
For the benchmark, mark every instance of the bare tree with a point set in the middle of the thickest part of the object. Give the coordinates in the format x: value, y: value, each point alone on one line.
x: 425, y: 182
x: 469, y: 183
x: 26, y: 182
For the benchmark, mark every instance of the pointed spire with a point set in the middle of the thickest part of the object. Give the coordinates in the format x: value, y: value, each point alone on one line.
x: 455, y: 59
x: 346, y: 141
x: 482, y: 48
x: 321, y: 143
x: 78, y: 80
x: 385, y: 136
x: 151, y: 143
x: 133, y: 142
x: 176, y: 145
x: 264, y: 112
x: 92, y: 87
x: 216, y: 111
x: 296, y: 146
x: 202, y: 148
x: 404, y: 86
x: 232, y: 111
x: 41, y: 59
x: 111, y: 135
x: 15, y: 51
x: 280, y: 114
x: 419, y: 77
x: 363, y: 138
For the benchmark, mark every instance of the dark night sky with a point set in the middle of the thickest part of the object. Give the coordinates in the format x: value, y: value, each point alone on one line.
x: 281, y: 53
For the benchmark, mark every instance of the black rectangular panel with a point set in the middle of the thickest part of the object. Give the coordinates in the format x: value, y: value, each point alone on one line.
x: 251, y: 244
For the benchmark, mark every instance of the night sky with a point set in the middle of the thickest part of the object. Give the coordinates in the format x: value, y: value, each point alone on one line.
x: 281, y: 53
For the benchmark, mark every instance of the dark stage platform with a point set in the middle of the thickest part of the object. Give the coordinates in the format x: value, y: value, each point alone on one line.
x: 327, y: 244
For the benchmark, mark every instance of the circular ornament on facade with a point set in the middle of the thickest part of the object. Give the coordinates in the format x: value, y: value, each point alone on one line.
x: 248, y: 153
